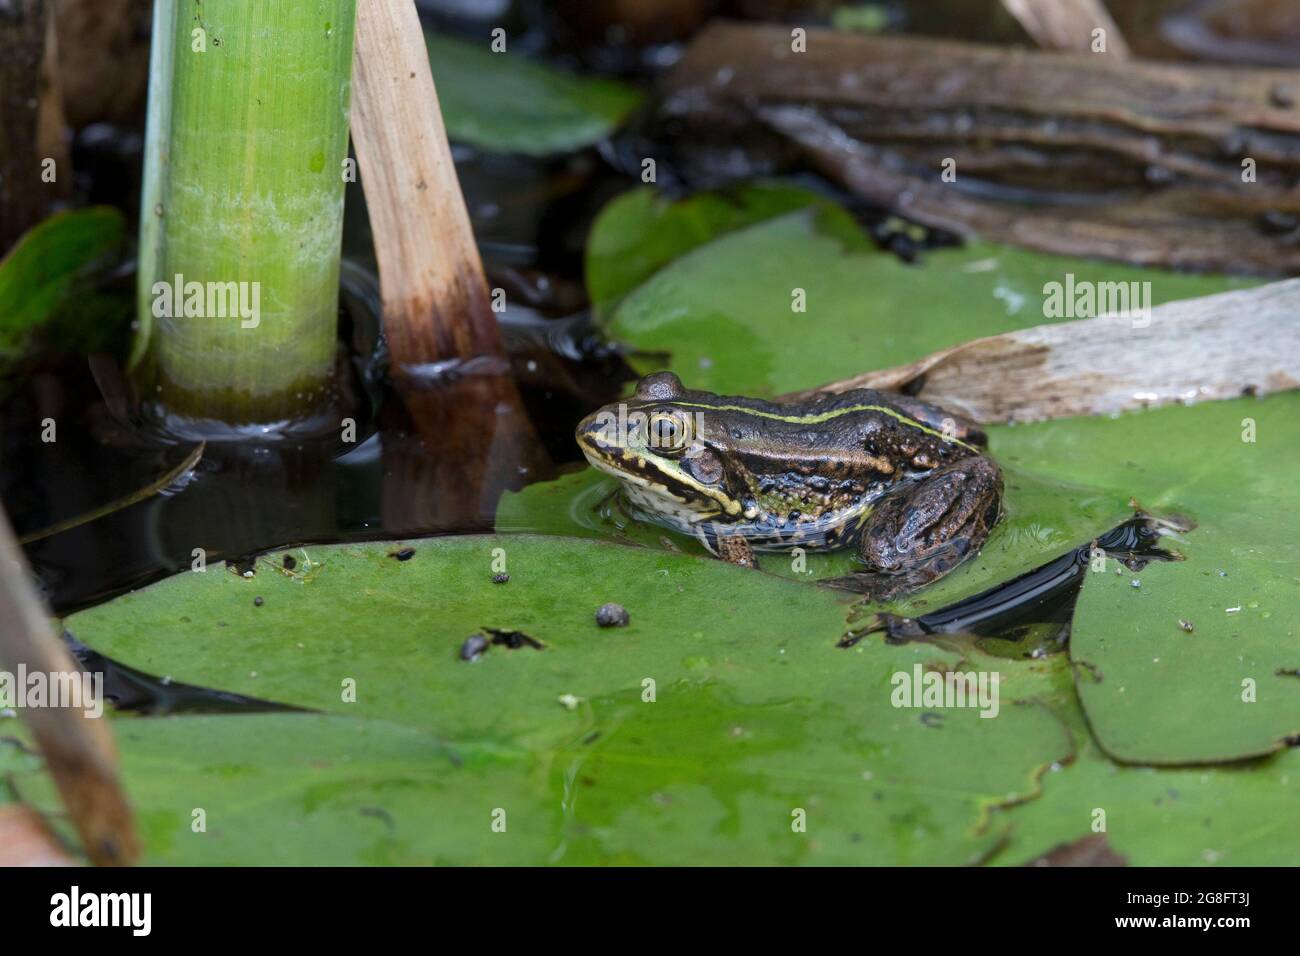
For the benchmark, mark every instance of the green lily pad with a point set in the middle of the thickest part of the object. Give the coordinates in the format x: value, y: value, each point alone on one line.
x: 504, y: 102
x: 727, y: 312
x: 1155, y: 692
x: 38, y: 272
x: 641, y: 231
x: 315, y: 790
x: 754, y: 721
x: 1236, y: 815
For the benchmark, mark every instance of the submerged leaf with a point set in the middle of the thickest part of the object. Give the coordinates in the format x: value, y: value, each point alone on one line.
x: 38, y: 272
x: 503, y: 102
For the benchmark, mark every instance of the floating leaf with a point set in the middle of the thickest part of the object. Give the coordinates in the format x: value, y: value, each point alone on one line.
x: 717, y: 719
x: 727, y: 313
x: 1156, y: 691
x: 503, y: 102
x: 1237, y: 814
x: 641, y: 231
x: 1213, y: 635
x: 305, y: 789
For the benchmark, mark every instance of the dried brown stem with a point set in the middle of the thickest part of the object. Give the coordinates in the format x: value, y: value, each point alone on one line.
x: 51, y: 125
x: 78, y: 749
x: 476, y: 437
x: 104, y: 58
x: 435, y: 296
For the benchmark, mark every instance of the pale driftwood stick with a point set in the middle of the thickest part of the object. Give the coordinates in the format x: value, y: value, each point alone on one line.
x: 1214, y: 347
x: 78, y: 750
x: 435, y: 296
x: 1067, y: 24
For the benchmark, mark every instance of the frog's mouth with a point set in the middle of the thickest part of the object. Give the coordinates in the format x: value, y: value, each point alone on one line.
x: 657, y: 494
x: 655, y: 485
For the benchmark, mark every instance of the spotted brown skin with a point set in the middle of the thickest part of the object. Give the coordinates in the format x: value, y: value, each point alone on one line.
x: 905, y: 483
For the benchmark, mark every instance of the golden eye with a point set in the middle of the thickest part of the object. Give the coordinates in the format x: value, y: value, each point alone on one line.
x: 669, y: 432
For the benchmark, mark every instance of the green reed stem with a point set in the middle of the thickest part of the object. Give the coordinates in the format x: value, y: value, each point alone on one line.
x: 247, y: 135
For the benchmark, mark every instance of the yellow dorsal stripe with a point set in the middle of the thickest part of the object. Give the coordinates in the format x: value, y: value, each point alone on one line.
x: 827, y: 416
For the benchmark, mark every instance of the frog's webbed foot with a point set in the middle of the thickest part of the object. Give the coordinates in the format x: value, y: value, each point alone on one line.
x: 922, y: 531
x: 735, y: 549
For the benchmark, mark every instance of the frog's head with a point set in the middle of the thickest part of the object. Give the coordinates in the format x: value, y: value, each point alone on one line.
x: 659, y: 444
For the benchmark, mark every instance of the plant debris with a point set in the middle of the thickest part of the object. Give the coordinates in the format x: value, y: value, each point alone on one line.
x: 612, y: 615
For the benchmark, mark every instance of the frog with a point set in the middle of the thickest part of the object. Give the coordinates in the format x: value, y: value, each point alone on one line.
x: 907, y: 484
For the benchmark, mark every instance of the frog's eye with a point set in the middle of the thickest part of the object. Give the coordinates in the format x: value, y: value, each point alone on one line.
x: 669, y: 433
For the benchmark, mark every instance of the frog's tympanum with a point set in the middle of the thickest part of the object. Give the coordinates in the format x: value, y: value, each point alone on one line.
x: 903, y: 482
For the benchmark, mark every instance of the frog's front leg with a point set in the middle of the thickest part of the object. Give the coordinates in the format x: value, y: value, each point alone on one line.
x: 736, y: 549
x: 923, y: 530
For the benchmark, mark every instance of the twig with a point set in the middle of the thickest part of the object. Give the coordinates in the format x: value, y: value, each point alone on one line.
x: 148, y: 491
x: 51, y: 131
x: 78, y: 749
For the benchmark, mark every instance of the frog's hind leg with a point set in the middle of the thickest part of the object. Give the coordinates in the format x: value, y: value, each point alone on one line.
x: 923, y: 530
